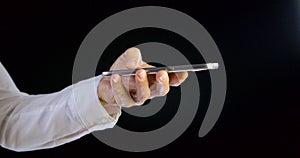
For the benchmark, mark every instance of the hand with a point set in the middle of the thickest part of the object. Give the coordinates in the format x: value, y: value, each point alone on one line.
x: 119, y: 91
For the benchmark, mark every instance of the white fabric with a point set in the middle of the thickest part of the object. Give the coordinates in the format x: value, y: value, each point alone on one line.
x: 31, y: 122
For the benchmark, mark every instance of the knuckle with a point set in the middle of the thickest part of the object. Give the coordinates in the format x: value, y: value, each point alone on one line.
x: 145, y: 97
x: 140, y: 103
x: 126, y: 105
x: 147, y: 92
x: 129, y: 104
x: 140, y: 100
x: 166, y: 91
x: 186, y: 75
x: 176, y: 84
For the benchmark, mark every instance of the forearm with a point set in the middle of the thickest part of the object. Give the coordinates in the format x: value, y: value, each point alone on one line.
x: 31, y: 122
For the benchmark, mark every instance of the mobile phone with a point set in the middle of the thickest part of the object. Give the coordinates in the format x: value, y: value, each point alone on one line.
x: 169, y: 69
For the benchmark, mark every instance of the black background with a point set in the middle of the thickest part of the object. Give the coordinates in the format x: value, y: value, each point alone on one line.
x: 259, y: 42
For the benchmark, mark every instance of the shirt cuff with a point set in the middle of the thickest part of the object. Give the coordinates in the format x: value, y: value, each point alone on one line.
x: 88, y: 106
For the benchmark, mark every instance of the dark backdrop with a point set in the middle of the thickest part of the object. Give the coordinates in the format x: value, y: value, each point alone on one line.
x: 259, y: 42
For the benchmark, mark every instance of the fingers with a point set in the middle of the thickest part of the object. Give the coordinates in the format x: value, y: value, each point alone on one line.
x: 161, y: 86
x: 177, y: 78
x: 129, y: 91
x: 140, y: 91
x: 121, y: 95
x: 142, y: 87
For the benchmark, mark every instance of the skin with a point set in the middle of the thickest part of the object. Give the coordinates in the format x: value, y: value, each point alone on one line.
x: 119, y: 91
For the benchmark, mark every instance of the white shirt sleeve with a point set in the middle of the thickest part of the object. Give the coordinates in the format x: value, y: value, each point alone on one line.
x: 31, y: 122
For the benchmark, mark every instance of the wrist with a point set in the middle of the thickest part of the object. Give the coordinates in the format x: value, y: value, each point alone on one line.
x: 103, y: 92
x: 100, y: 91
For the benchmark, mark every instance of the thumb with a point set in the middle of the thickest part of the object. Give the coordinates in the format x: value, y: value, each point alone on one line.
x: 130, y: 59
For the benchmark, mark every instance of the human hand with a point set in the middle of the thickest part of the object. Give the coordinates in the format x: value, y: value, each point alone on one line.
x: 125, y: 91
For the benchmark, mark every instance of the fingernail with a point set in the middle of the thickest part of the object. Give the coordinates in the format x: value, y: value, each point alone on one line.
x: 142, y: 75
x: 163, y: 77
